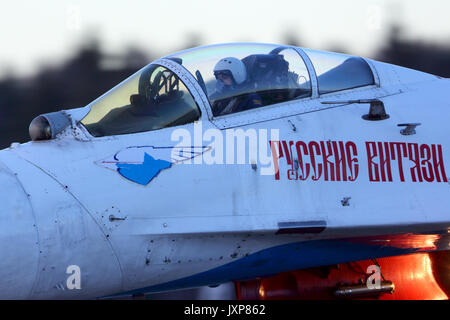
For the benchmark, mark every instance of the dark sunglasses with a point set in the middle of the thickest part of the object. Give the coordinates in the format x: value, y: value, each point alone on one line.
x: 222, y: 73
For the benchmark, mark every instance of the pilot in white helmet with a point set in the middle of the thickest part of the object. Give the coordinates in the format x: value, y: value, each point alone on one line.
x: 231, y: 74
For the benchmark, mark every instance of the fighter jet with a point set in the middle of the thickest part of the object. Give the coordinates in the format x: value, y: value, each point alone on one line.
x: 292, y: 172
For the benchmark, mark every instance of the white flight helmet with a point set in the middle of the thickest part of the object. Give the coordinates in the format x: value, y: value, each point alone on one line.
x: 235, y: 66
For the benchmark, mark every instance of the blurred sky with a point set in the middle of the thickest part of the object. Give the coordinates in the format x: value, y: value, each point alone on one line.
x: 33, y: 33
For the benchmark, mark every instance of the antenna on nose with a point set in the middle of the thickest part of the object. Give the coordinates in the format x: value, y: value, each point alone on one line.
x: 376, y: 112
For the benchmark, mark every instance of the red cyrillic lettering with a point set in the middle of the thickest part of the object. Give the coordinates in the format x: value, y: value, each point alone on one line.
x: 352, y: 160
x: 288, y: 151
x: 385, y: 161
x: 328, y: 166
x: 371, y: 148
x: 291, y: 173
x: 317, y: 173
x: 305, y: 168
x: 438, y: 163
x: 339, y: 161
x: 426, y: 164
x: 401, y: 152
x: 413, y: 150
x: 276, y: 156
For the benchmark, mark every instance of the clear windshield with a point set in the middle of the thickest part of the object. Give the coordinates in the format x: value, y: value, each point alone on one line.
x: 151, y: 99
x: 239, y: 77
x: 337, y: 71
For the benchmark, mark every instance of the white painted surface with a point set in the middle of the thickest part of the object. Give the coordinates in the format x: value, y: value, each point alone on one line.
x: 190, y: 218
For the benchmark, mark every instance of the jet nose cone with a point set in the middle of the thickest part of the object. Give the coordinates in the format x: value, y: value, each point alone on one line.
x: 19, y: 245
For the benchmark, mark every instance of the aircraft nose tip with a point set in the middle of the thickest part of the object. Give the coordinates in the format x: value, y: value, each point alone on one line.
x: 19, y: 245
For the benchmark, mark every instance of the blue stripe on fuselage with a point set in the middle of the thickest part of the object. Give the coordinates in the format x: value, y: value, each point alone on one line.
x: 271, y: 261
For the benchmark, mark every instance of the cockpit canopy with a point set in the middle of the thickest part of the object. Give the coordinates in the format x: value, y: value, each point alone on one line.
x: 234, y: 78
x: 273, y: 74
x: 151, y: 99
x: 337, y: 72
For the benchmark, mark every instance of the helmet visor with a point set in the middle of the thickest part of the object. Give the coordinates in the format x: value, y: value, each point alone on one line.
x: 223, y: 74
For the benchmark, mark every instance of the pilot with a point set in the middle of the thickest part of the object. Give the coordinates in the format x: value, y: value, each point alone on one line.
x: 233, y: 93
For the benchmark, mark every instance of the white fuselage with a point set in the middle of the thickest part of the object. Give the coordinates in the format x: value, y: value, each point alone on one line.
x: 60, y: 208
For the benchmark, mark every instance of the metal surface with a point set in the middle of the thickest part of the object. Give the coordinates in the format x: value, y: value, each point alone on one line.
x: 377, y: 110
x: 49, y: 125
x: 404, y: 277
x: 66, y: 201
x: 301, y: 227
x: 361, y: 290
